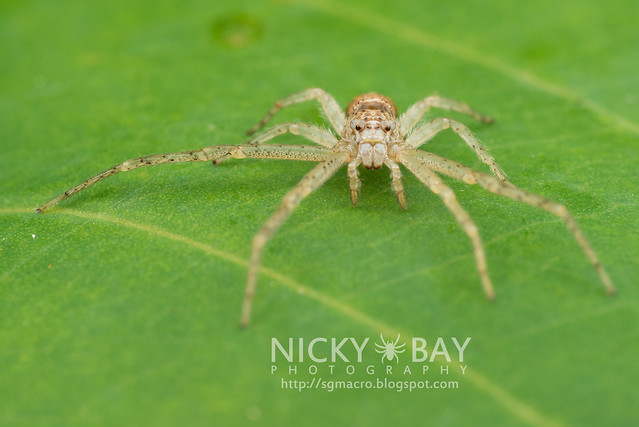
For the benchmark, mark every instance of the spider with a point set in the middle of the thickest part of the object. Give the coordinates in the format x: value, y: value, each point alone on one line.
x: 390, y: 349
x: 371, y: 134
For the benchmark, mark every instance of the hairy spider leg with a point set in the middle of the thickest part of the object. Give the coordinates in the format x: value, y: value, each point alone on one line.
x: 437, y: 186
x: 309, y: 183
x: 354, y: 182
x: 330, y: 106
x: 267, y: 151
x: 426, y: 132
x: 396, y: 183
x: 467, y: 175
x: 416, y: 111
x: 312, y: 133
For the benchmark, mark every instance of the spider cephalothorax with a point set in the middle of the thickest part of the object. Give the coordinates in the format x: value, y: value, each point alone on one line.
x: 371, y: 135
x: 372, y: 128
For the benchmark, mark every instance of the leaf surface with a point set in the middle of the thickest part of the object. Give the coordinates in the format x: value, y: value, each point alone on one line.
x: 121, y: 305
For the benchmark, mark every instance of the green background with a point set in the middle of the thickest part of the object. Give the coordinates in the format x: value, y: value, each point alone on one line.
x: 121, y: 305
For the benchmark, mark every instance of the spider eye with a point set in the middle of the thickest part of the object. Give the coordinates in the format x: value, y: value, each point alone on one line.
x: 387, y: 126
x: 358, y: 125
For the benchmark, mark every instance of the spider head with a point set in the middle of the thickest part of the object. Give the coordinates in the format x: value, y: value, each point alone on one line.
x: 371, y: 119
x: 372, y: 125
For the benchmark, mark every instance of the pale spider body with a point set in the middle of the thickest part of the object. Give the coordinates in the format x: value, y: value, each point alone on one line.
x: 390, y: 349
x: 372, y: 135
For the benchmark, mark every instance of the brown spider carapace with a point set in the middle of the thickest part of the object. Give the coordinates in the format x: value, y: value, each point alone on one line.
x: 372, y: 135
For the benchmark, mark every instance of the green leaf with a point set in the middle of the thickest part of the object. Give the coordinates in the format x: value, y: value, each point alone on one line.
x: 121, y: 305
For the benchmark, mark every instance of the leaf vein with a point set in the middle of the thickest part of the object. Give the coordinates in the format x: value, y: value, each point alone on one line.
x: 425, y: 39
x: 511, y: 403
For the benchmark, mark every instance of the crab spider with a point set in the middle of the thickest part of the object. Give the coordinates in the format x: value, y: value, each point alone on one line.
x: 372, y: 135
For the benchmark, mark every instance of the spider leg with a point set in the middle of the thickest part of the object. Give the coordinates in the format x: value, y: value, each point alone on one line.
x: 381, y: 336
x: 330, y: 106
x: 355, y: 183
x: 312, y: 133
x: 396, y: 341
x: 310, y: 182
x: 426, y: 132
x: 493, y: 185
x: 415, y: 112
x: 396, y: 183
x: 436, y: 185
x: 267, y: 151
